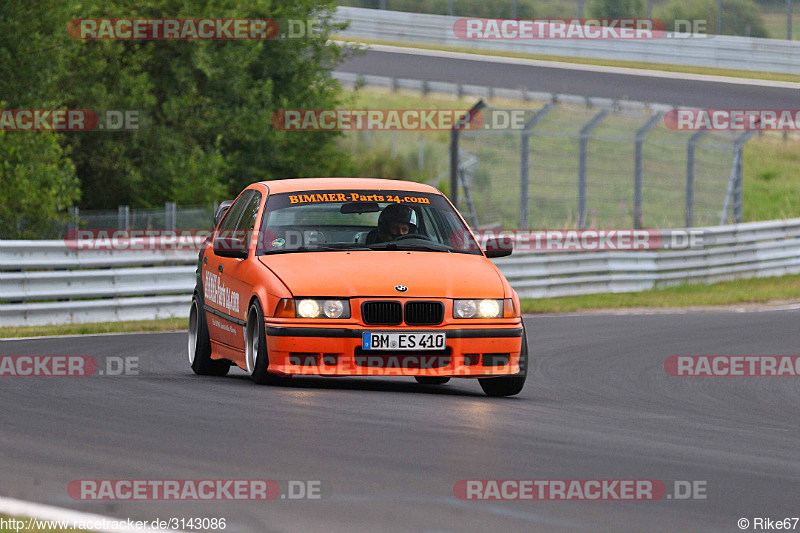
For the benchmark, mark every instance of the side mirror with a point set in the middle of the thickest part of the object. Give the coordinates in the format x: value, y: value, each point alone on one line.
x: 498, y: 247
x: 221, y: 210
x: 230, y: 247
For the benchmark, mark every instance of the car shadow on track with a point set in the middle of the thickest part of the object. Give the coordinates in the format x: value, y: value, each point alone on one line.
x: 366, y: 384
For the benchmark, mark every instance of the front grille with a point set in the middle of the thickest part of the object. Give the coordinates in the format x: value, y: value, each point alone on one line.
x: 424, y: 313
x: 382, y: 313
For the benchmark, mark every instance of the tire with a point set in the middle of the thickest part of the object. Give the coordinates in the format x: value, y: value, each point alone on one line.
x: 199, y: 345
x: 255, y: 352
x: 431, y: 380
x: 509, y: 385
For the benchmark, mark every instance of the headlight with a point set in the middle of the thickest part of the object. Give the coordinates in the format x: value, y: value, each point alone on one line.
x: 312, y: 308
x: 477, y: 308
x: 308, y: 309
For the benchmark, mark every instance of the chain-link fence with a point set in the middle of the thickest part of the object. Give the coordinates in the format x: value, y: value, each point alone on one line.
x: 170, y: 217
x: 583, y: 167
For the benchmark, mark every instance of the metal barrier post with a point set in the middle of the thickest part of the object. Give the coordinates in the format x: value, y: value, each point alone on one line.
x: 170, y: 216
x: 74, y: 218
x: 739, y: 161
x: 525, y: 147
x: 693, y: 140
x: 637, y: 177
x: 454, y: 163
x: 123, y: 217
x: 584, y: 148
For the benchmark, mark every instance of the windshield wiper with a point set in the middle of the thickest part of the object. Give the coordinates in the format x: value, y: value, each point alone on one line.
x: 412, y: 244
x: 314, y: 248
x: 305, y: 248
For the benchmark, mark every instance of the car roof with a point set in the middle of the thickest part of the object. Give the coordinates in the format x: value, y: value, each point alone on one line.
x: 314, y: 184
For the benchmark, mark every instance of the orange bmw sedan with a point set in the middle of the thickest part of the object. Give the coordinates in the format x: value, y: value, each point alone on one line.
x: 353, y: 277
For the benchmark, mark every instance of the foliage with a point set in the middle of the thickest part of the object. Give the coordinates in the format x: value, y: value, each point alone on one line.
x: 736, y: 15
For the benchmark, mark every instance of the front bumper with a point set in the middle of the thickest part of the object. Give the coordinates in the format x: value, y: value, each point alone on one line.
x: 335, y: 351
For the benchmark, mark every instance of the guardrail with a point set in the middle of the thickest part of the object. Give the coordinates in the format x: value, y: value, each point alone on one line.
x: 460, y: 90
x: 718, y: 51
x: 45, y: 282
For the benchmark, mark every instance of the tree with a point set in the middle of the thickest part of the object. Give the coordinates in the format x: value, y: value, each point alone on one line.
x: 207, y: 105
x: 616, y: 8
x: 37, y: 185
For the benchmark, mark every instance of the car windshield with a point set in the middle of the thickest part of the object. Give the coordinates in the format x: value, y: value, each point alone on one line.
x: 376, y: 220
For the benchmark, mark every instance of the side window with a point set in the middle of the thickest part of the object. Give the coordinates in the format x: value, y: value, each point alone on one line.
x: 230, y: 222
x: 248, y: 218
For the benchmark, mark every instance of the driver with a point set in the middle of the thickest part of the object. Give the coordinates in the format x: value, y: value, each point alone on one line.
x: 395, y: 220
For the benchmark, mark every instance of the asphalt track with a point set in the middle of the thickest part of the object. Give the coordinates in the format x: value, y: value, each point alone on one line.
x: 493, y: 72
x: 598, y: 405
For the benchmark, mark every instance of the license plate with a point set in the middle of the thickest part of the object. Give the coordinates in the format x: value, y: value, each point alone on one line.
x: 403, y: 341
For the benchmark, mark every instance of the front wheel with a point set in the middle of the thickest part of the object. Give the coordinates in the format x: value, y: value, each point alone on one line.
x: 200, y: 345
x: 256, y: 356
x: 509, y: 385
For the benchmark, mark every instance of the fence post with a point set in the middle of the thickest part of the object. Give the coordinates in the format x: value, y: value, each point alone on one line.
x: 123, y: 217
x: 788, y: 20
x: 693, y: 140
x: 734, y: 192
x: 637, y: 177
x: 584, y: 148
x: 454, y: 134
x: 738, y: 191
x: 170, y: 221
x: 74, y: 218
x: 525, y: 146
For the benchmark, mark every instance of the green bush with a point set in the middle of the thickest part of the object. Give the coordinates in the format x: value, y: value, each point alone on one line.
x: 205, y: 105
x: 736, y: 15
x: 37, y: 184
x: 616, y: 8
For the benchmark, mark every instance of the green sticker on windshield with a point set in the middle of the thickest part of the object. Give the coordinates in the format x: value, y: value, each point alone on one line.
x: 277, y: 243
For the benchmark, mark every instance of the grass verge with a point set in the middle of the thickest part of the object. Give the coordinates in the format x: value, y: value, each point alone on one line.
x: 686, y: 69
x: 745, y: 291
x: 167, y: 324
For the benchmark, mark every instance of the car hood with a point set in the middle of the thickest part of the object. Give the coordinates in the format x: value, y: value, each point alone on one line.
x: 377, y: 273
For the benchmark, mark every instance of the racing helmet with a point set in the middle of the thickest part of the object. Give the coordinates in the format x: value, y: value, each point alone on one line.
x: 397, y: 213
